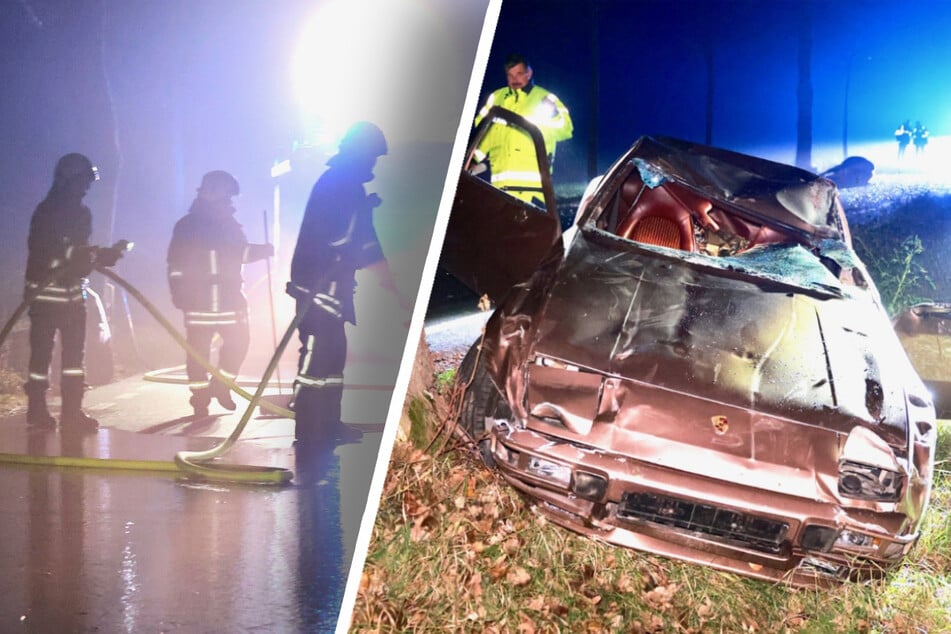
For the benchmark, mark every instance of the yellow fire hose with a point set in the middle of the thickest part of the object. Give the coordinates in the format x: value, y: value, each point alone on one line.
x: 87, y: 462
x: 187, y: 462
x: 191, y: 461
x: 194, y: 354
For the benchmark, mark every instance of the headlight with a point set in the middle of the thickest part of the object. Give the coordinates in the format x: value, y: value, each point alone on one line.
x: 865, y: 482
x: 850, y: 539
x: 589, y: 486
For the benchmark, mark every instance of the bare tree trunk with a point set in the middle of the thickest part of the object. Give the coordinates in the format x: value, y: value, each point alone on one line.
x: 804, y: 92
x: 419, y: 383
x: 593, y: 94
x: 845, y: 108
x: 709, y: 58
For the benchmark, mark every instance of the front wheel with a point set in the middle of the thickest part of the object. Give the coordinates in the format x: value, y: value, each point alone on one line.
x: 481, y: 400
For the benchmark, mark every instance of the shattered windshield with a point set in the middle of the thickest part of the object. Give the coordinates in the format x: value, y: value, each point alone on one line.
x: 731, y: 212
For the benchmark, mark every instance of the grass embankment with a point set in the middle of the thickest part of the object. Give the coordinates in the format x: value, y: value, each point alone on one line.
x: 11, y: 392
x: 456, y: 549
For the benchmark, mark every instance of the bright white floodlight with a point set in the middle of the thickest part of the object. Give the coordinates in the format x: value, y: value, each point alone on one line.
x: 369, y: 60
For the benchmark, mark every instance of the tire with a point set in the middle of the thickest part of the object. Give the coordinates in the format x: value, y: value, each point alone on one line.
x: 480, y: 399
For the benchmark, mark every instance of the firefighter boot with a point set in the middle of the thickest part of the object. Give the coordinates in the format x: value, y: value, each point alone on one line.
x: 222, y: 394
x: 72, y: 417
x: 331, y: 422
x: 344, y: 434
x: 37, y: 414
x: 317, y: 418
x: 304, y: 417
x: 199, y: 402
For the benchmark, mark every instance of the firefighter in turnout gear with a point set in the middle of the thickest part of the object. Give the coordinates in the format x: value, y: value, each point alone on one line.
x: 510, y: 152
x: 59, y: 260
x: 336, y: 239
x: 205, y: 259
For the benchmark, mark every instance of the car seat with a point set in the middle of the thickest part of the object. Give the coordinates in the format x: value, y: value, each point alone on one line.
x: 655, y: 216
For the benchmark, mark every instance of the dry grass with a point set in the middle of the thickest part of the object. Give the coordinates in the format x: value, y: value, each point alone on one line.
x: 12, y: 397
x: 455, y: 549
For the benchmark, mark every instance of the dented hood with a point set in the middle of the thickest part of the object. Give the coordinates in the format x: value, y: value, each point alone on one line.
x: 800, y: 348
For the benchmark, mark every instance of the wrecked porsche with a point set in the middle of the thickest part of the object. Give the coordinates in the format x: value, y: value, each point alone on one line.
x: 700, y: 367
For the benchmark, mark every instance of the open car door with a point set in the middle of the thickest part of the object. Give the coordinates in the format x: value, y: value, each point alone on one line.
x: 495, y: 240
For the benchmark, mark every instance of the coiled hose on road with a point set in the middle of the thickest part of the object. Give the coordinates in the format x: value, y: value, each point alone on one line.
x: 194, y: 463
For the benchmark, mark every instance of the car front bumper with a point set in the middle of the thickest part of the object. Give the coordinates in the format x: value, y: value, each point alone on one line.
x: 671, y: 512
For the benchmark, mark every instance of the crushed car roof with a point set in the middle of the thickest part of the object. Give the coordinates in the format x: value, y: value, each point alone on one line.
x: 783, y: 194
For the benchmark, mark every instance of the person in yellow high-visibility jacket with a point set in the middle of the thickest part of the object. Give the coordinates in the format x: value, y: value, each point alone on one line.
x: 510, y: 152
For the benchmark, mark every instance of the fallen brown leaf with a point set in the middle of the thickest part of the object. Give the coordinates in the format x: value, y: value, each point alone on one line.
x: 474, y: 587
x: 518, y: 576
x: 526, y: 625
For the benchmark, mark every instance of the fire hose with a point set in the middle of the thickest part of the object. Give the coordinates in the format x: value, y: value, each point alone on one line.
x: 190, y: 463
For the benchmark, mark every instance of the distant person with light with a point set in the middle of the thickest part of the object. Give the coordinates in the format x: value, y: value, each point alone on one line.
x: 510, y: 152
x: 903, y: 136
x: 920, y: 136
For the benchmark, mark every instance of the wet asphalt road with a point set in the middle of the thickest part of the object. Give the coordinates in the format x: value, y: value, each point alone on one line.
x: 111, y: 550
x: 93, y: 549
x: 453, y: 319
x: 103, y: 552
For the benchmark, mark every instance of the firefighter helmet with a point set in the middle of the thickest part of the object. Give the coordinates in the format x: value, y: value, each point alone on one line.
x: 363, y: 138
x: 72, y: 166
x: 219, y: 184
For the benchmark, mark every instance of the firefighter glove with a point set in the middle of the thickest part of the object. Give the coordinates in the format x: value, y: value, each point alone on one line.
x: 108, y: 256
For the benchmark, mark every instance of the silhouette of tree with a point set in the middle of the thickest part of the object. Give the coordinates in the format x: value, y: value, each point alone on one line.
x: 804, y: 89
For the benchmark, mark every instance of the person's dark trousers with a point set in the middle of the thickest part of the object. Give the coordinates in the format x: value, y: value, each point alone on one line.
x: 318, y: 388
x: 45, y: 319
x: 235, y: 339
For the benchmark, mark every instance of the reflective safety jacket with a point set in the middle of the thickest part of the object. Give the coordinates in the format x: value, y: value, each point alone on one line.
x: 511, y: 152
x: 205, y: 259
x: 58, y: 251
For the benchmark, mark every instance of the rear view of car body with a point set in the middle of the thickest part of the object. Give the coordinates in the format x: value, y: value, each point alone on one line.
x: 706, y: 373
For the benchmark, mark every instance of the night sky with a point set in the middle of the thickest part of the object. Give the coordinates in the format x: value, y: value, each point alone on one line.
x: 648, y: 58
